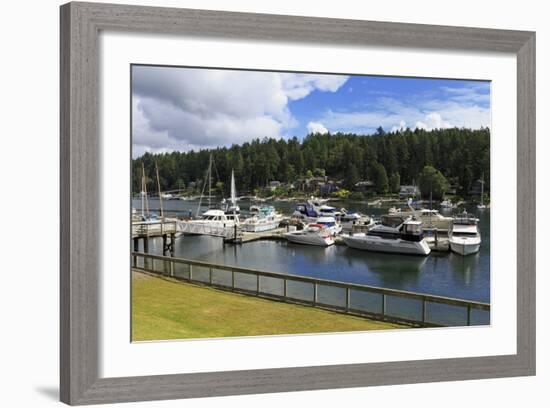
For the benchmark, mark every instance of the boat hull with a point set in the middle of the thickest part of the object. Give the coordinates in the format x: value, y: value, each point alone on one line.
x: 261, y: 227
x: 462, y: 248
x: 309, y: 240
x: 395, y: 246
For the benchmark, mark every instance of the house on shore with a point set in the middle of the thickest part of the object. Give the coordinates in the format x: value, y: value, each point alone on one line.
x: 408, y: 191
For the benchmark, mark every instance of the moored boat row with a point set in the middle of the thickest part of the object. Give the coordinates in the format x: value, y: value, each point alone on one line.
x: 314, y: 222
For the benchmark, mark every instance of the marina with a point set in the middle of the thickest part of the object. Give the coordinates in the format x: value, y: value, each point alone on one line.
x: 440, y: 273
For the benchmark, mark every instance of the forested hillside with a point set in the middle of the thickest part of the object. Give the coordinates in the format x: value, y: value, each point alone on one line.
x: 461, y: 155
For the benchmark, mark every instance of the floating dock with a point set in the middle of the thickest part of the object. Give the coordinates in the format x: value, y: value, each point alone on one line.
x: 244, y: 237
x: 438, y: 242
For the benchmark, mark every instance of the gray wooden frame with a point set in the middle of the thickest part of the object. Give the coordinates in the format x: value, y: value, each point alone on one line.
x: 80, y: 233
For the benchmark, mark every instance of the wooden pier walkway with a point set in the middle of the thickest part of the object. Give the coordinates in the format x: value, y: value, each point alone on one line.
x: 244, y: 237
x: 163, y: 228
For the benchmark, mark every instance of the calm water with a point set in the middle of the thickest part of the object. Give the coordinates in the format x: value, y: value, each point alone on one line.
x: 443, y: 274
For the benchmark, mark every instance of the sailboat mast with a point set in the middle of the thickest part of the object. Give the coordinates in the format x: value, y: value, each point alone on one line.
x: 210, y: 181
x: 482, y: 184
x: 145, y: 190
x: 158, y: 187
x: 142, y: 191
x: 233, y: 190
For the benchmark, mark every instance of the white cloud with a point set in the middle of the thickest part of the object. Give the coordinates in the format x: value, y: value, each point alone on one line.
x: 433, y: 121
x: 183, y: 109
x: 393, y: 114
x: 402, y: 126
x: 316, y: 127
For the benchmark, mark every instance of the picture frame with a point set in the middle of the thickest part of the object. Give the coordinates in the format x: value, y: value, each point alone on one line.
x: 80, y: 154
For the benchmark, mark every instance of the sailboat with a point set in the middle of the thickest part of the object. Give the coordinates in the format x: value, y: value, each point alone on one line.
x: 482, y: 206
x: 233, y: 208
x: 213, y: 221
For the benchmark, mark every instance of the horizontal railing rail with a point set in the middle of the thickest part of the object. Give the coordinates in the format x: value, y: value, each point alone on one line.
x: 154, y: 228
x: 313, y: 295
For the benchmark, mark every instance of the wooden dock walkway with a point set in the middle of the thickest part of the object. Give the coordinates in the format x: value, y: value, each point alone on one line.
x: 441, y: 244
x: 163, y: 228
x: 245, y: 237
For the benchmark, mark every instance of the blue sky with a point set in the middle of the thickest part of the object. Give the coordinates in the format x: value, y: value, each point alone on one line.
x: 185, y: 108
x: 365, y: 102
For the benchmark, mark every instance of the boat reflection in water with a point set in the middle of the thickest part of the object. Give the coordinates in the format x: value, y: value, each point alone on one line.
x: 463, y: 267
x: 391, y: 269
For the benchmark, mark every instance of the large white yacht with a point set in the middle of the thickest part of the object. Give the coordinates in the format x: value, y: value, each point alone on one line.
x: 313, y: 234
x: 464, y: 237
x: 429, y: 218
x: 394, y: 234
x: 212, y: 222
x: 265, y: 218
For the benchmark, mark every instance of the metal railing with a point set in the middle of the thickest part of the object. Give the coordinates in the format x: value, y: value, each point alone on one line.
x: 361, y: 300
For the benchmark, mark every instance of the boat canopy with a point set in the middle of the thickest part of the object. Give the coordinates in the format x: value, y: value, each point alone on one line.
x: 215, y: 213
x: 307, y: 210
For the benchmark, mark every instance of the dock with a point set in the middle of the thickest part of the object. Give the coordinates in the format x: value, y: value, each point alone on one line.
x: 437, y: 241
x: 245, y: 237
x: 165, y: 229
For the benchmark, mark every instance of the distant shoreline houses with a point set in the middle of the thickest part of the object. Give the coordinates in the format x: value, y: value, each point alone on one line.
x: 324, y: 186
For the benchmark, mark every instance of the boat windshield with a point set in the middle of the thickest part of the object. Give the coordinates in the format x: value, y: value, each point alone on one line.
x: 465, y: 234
x: 415, y: 228
x: 390, y: 221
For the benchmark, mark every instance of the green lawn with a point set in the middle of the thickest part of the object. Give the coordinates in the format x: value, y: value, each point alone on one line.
x: 165, y: 309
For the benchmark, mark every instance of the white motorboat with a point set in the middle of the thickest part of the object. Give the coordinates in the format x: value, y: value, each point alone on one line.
x: 263, y: 219
x: 330, y: 222
x: 404, y: 238
x: 464, y: 238
x: 212, y: 222
x: 350, y: 220
x: 433, y: 219
x: 313, y: 234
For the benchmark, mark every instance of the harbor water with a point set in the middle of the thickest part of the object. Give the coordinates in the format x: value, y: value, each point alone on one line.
x: 440, y: 273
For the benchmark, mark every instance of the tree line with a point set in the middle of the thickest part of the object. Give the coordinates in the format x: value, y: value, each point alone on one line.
x: 388, y: 159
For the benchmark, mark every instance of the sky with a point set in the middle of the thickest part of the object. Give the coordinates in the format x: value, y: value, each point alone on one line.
x: 182, y: 109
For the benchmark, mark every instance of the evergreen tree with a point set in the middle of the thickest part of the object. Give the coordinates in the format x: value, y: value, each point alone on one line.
x: 381, y: 184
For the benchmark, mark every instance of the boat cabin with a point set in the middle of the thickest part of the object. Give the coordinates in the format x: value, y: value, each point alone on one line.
x: 219, y: 215
x: 306, y: 209
x: 328, y: 222
x: 392, y: 221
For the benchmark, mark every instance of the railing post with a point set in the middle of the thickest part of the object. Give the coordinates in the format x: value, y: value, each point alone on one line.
x: 190, y: 272
x: 232, y: 279
x: 284, y: 288
x: 468, y: 315
x: 348, y: 300
x: 424, y: 310
x: 171, y: 268
x: 257, y: 283
x: 210, y: 275
x: 315, y: 293
x: 383, y: 304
